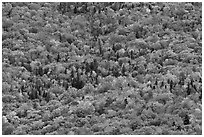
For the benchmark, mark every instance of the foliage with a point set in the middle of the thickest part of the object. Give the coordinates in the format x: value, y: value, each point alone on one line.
x: 101, y: 68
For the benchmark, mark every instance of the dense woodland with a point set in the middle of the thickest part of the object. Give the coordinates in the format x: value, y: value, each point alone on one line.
x: 104, y: 68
